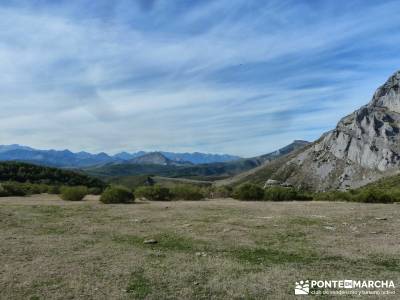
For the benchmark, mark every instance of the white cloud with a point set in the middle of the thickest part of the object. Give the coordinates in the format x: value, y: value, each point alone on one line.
x: 243, y: 78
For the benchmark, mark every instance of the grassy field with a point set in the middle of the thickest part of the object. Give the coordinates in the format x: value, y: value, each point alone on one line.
x: 219, y: 249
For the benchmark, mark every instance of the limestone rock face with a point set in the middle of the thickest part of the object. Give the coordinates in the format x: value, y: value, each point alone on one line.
x: 363, y: 147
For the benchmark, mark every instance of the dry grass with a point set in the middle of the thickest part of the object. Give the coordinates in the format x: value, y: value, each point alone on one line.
x: 220, y: 249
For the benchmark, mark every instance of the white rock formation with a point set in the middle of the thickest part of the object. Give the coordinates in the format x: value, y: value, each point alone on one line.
x: 363, y: 147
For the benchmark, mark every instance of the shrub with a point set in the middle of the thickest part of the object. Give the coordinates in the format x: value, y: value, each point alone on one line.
x: 73, y: 193
x: 206, y: 191
x: 33, y: 188
x: 117, y: 194
x: 223, y: 192
x: 3, y: 192
x: 374, y: 196
x: 334, y: 196
x: 144, y: 192
x: 284, y: 194
x: 54, y: 190
x: 13, y: 189
x: 395, y: 193
x: 43, y: 188
x: 365, y: 195
x: 153, y: 193
x: 95, y: 191
x: 248, y: 191
x: 187, y: 192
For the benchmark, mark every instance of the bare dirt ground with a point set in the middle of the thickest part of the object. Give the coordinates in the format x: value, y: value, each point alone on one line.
x: 219, y: 249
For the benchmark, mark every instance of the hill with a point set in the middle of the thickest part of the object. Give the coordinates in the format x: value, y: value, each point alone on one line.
x: 157, y: 158
x: 363, y: 147
x: 264, y: 170
x: 388, y: 184
x: 22, y: 172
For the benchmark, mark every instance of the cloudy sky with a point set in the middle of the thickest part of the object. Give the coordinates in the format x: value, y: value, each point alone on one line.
x: 241, y: 77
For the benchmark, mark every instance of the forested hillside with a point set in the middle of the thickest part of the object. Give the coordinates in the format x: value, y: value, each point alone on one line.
x: 23, y: 172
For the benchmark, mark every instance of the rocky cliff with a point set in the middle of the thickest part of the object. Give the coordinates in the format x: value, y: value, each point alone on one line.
x: 363, y: 147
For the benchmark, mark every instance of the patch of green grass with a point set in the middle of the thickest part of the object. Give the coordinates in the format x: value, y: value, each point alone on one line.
x: 267, y: 256
x: 304, y: 221
x: 128, y: 239
x: 53, y: 230
x: 289, y: 237
x: 389, y: 263
x: 173, y: 242
x: 138, y: 286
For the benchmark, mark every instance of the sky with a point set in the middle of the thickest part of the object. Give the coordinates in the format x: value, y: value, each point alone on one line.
x: 243, y: 77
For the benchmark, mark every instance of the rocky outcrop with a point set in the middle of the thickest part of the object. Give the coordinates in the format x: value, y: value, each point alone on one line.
x: 363, y: 147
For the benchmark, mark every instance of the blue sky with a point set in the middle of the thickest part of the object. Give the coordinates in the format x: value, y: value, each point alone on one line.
x: 241, y: 77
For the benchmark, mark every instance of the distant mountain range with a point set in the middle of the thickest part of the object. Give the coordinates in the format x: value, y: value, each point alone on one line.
x: 194, y: 158
x: 68, y: 159
x: 158, y: 164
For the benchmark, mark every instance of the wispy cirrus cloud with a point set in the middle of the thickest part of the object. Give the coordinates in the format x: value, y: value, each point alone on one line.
x: 244, y: 77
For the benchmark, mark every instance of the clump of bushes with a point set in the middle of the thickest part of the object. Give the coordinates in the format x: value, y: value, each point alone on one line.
x: 187, y: 192
x: 12, y: 188
x: 179, y: 192
x: 374, y: 196
x: 76, y: 193
x: 153, y: 193
x: 23, y: 172
x: 8, y: 189
x: 95, y: 191
x: 115, y: 194
x: 54, y: 190
x: 334, y: 196
x: 284, y: 194
x: 248, y: 191
x: 223, y: 192
x: 365, y: 195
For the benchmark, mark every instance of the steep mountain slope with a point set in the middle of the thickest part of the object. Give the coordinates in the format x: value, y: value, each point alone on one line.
x: 363, y: 147
x: 267, y: 167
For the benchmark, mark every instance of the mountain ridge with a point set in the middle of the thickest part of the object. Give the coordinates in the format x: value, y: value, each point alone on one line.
x: 362, y: 148
x: 157, y: 158
x: 210, y: 171
x: 68, y: 159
